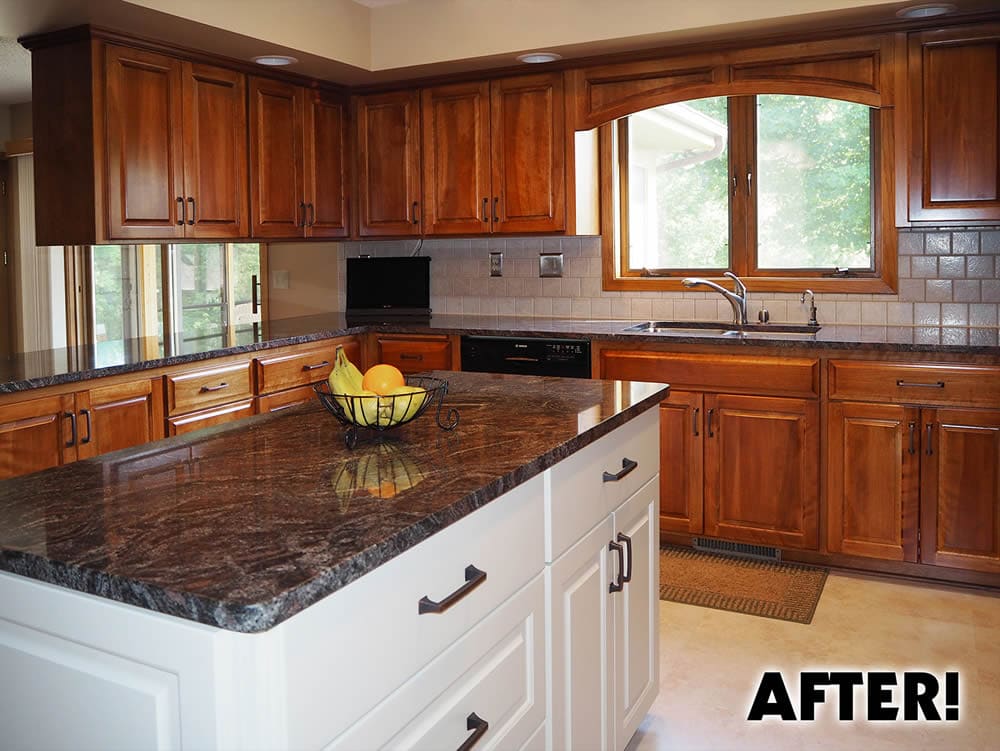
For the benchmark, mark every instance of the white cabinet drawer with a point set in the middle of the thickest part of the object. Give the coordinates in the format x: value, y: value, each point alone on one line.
x: 327, y: 666
x: 578, y: 497
x: 495, y: 673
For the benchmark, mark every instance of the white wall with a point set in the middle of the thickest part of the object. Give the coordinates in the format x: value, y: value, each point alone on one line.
x: 313, y: 273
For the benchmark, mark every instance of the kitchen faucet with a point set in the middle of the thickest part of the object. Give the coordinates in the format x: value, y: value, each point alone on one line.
x: 737, y: 298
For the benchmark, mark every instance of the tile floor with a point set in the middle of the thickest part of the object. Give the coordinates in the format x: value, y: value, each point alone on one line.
x: 711, y: 663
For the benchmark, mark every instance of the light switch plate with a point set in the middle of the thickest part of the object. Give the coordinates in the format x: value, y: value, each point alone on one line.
x: 496, y: 263
x: 281, y: 279
x: 550, y: 264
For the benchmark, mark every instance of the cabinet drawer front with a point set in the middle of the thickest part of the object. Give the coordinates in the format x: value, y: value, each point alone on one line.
x: 504, y: 539
x: 208, y: 417
x: 199, y: 389
x: 578, y: 496
x: 414, y: 355
x: 298, y: 369
x: 737, y: 374
x: 915, y: 383
x: 496, y: 671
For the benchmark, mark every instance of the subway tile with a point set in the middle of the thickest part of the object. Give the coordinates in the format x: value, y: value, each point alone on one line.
x: 927, y: 314
x: 848, y: 312
x: 543, y: 306
x: 903, y: 267
x: 938, y: 290
x: 600, y: 307
x: 899, y: 334
x: 954, y: 314
x: 453, y: 305
x: 965, y: 243
x: 911, y: 243
x: 923, y: 267
x: 684, y: 310
x: 911, y: 290
x: 951, y: 267
x: 990, y: 242
x: 778, y: 310
x: 983, y: 337
x: 980, y: 267
x: 471, y: 306
x: 532, y: 286
x: 621, y: 308
x: 937, y: 243
x: 706, y: 310
x: 479, y: 287
x: 641, y: 309
x: 581, y: 307
x: 488, y: 306
x: 966, y: 290
x: 496, y: 286
x: 562, y: 307
x: 927, y: 335
x: 982, y: 314
x: 570, y: 287
x: 505, y: 306
x: 590, y: 287
x: 899, y: 313
x: 596, y: 267
x: 551, y: 244
x: 873, y: 313
x: 954, y: 335
x: 551, y: 287
x: 515, y: 286
x: 991, y: 290
x: 524, y: 306
x: 661, y: 310
x: 578, y: 267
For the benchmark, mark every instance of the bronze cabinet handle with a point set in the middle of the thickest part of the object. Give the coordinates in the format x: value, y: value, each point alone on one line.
x: 708, y: 423
x: 316, y: 366
x: 193, y: 211
x: 694, y: 420
x: 413, y: 210
x: 302, y: 210
x: 930, y: 448
x: 181, y: 211
x: 86, y: 413
x: 620, y: 584
x: 479, y: 725
x: 312, y: 215
x: 473, y: 578
x: 913, y: 436
x: 627, y: 466
x: 496, y: 216
x: 622, y: 537
x: 72, y: 424
x: 486, y: 210
x: 206, y: 389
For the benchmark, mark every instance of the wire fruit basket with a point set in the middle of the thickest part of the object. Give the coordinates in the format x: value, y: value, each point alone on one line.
x: 381, y: 413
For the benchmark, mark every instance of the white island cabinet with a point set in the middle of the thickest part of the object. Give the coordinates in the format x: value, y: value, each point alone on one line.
x: 555, y: 647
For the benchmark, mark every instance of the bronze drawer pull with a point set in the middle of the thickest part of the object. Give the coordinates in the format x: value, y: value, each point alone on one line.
x: 182, y: 210
x: 694, y: 420
x: 316, y: 366
x: 619, y: 585
x: 622, y: 537
x: 914, y: 384
x: 477, y: 723
x: 407, y: 356
x: 206, y: 389
x: 193, y: 218
x: 473, y: 578
x: 627, y: 466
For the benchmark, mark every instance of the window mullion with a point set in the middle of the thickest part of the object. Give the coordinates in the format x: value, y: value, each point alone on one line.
x: 743, y: 212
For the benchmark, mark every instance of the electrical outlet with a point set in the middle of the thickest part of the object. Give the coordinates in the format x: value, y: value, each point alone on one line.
x: 496, y: 263
x: 281, y: 279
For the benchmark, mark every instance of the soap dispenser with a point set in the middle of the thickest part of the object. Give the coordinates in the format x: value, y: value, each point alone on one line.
x: 762, y: 315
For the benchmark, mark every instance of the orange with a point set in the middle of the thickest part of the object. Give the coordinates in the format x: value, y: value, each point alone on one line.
x: 382, y: 379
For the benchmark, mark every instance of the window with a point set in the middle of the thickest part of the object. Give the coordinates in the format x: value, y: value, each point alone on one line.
x: 780, y: 189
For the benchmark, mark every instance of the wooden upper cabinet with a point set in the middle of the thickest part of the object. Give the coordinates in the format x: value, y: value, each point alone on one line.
x: 276, y: 158
x: 954, y: 125
x: 529, y: 154
x: 297, y: 155
x: 456, y: 158
x: 215, y: 152
x: 145, y: 161
x: 388, y: 177
x: 495, y: 156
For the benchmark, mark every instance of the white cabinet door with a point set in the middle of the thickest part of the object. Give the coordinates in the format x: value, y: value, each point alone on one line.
x: 637, y: 612
x: 579, y: 643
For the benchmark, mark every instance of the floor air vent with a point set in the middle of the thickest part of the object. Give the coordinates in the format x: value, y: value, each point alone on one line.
x: 737, y: 549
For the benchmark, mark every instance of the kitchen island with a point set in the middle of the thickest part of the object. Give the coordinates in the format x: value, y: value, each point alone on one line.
x: 259, y: 585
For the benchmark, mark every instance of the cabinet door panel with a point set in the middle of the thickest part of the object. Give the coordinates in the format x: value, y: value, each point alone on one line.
x: 529, y: 153
x: 762, y: 470
x: 325, y: 155
x: 119, y: 416
x: 581, y: 643
x: 872, y: 480
x: 215, y: 152
x: 456, y: 137
x: 276, y: 158
x: 389, y: 164
x: 34, y: 434
x: 681, y: 466
x: 637, y: 613
x: 145, y: 176
x: 955, y: 113
x: 960, y: 489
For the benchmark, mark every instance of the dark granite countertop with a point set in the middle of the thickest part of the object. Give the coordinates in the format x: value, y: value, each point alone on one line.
x: 38, y: 369
x: 243, y: 525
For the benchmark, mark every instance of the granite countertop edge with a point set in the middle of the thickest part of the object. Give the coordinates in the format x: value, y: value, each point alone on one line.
x: 849, y: 337
x: 249, y: 617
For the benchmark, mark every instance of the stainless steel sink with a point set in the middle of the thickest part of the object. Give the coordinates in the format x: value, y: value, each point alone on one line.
x: 714, y: 328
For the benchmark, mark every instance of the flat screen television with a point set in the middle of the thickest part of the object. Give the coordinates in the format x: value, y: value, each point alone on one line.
x: 389, y: 288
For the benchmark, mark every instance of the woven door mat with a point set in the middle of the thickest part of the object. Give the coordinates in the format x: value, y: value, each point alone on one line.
x: 785, y: 591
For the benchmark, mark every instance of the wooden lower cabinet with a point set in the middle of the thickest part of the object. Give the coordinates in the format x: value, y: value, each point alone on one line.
x: 960, y: 489
x: 413, y: 354
x: 119, y: 416
x: 206, y: 418
x: 740, y: 467
x: 36, y: 434
x: 917, y: 485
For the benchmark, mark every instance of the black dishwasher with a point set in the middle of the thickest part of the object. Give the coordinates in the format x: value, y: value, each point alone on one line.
x: 569, y: 358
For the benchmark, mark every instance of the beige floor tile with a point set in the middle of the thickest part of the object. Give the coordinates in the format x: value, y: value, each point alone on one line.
x: 711, y: 663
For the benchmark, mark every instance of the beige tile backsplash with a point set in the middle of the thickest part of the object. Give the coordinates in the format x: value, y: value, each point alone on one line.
x: 946, y: 278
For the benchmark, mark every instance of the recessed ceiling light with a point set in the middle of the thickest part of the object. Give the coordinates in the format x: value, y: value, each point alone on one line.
x: 539, y: 57
x: 927, y: 10
x: 275, y: 60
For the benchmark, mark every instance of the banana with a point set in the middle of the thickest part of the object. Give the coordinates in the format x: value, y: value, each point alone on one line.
x: 360, y: 406
x: 405, y: 401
